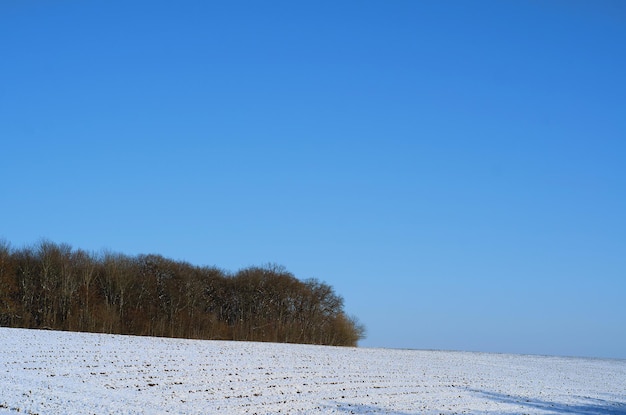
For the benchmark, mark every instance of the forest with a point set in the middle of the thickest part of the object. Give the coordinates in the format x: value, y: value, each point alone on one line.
x: 54, y: 286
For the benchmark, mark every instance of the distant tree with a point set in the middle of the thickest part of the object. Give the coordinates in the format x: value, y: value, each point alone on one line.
x: 86, y: 269
x: 53, y: 285
x: 9, y: 289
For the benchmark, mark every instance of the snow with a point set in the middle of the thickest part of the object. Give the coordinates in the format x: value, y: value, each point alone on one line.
x: 48, y: 372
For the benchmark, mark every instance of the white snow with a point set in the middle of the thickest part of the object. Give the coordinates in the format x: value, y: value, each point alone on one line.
x: 48, y: 372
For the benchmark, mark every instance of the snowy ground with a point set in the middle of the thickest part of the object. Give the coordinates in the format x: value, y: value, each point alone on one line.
x: 47, y: 372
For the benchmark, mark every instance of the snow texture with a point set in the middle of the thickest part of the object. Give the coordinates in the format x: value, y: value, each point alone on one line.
x: 48, y: 372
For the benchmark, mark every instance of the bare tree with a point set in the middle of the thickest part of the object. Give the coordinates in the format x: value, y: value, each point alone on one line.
x: 52, y: 285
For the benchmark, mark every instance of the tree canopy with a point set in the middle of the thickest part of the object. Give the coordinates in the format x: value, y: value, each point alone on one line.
x: 54, y: 286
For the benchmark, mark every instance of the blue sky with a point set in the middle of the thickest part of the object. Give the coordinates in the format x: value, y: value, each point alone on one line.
x: 455, y: 170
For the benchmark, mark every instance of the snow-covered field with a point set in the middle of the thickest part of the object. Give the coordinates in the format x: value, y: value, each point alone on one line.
x: 47, y: 372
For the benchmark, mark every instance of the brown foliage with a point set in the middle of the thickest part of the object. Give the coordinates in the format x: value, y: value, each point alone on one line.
x: 53, y: 286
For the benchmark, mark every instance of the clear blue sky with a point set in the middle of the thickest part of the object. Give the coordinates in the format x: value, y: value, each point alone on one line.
x: 456, y: 170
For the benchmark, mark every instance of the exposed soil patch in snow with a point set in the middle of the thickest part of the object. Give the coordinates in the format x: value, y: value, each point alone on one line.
x: 47, y: 372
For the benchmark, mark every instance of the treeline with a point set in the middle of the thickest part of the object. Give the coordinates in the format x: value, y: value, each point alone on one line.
x: 54, y: 286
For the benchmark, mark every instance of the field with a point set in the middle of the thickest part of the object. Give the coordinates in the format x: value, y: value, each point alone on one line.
x: 47, y: 372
